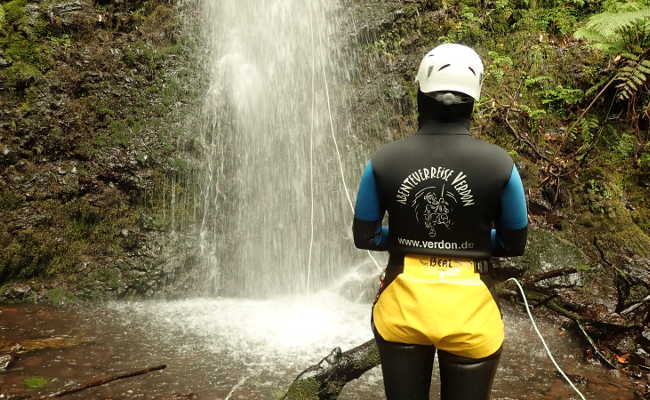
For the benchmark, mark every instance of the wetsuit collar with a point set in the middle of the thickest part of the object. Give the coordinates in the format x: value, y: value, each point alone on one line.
x: 431, y: 127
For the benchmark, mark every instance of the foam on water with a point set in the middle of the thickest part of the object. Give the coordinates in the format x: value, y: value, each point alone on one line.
x: 285, y: 328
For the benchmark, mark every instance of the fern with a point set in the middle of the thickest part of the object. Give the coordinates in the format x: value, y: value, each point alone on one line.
x: 624, y: 33
x: 632, y: 76
x: 611, y: 31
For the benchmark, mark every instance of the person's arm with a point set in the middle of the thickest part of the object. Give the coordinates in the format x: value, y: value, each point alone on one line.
x: 510, y: 236
x: 368, y: 213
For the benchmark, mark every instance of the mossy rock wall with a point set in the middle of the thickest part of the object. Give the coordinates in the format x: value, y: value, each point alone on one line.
x: 92, y: 96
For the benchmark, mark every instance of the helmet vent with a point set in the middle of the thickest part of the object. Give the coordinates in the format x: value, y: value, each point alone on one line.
x: 430, y: 71
x: 443, y: 67
x: 472, y: 69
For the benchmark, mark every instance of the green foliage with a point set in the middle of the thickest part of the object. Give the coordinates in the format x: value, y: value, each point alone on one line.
x: 559, y: 97
x: 632, y: 76
x: 499, y: 66
x: 584, y: 131
x: 599, y: 196
x: 622, y: 31
x: 583, y: 268
x: 625, y: 147
x: 560, y: 20
x: 64, y: 41
x: 616, y: 31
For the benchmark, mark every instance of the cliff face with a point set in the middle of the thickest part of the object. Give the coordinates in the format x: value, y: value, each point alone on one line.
x: 91, y: 101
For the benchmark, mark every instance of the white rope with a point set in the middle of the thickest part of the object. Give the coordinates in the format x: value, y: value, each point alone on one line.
x: 332, y: 134
x: 530, y: 315
x: 336, y: 146
x: 237, y: 386
x: 311, y: 147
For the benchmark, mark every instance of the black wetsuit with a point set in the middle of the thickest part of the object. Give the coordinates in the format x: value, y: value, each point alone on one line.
x: 447, y: 195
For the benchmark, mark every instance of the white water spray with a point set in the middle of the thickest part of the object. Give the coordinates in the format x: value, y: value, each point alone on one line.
x: 274, y: 170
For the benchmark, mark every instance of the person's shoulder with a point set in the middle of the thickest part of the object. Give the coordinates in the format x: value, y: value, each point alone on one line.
x: 491, y: 148
x: 390, y: 149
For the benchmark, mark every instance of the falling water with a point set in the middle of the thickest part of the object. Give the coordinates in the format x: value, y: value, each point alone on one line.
x: 275, y: 207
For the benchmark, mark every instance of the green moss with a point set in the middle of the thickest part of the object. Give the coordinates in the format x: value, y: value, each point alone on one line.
x: 304, y: 389
x: 20, y: 74
x: 35, y: 382
x: 14, y: 10
x: 28, y: 254
x: 3, y: 18
x: 10, y: 200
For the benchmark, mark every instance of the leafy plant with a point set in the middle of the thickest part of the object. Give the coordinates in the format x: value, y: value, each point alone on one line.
x: 632, y: 76
x: 499, y: 66
x: 612, y: 31
x: 622, y: 31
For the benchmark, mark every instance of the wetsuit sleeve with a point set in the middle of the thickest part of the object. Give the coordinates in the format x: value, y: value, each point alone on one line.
x: 368, y: 213
x: 510, y: 236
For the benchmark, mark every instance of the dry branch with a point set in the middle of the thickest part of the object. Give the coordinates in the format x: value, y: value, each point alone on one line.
x: 548, y: 275
x: 98, y: 381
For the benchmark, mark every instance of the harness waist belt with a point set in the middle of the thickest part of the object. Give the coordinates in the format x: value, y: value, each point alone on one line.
x: 436, y: 268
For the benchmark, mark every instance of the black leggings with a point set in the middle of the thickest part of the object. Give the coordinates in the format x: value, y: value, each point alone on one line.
x: 407, y: 372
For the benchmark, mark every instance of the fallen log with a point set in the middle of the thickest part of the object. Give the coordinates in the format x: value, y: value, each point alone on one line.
x: 326, y: 379
x: 55, y: 342
x: 94, y: 382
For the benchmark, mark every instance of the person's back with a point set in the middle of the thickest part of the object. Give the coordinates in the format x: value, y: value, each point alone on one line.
x: 452, y: 201
x: 441, y: 164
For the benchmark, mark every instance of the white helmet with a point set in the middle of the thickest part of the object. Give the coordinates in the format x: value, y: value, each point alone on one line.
x: 451, y: 67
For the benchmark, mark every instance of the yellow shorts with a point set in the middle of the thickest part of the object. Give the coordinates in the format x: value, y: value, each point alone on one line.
x: 442, y: 302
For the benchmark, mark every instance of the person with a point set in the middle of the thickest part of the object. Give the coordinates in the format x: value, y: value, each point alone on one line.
x: 453, y: 201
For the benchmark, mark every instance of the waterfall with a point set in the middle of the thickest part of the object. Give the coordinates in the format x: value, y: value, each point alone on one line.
x: 276, y: 138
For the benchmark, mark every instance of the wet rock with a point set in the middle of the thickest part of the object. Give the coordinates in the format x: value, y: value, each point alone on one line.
x: 72, y: 15
x: 66, y: 7
x: 5, y: 361
x: 17, y: 292
x: 548, y: 251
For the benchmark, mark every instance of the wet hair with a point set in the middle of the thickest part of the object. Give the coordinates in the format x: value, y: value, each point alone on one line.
x: 444, y: 107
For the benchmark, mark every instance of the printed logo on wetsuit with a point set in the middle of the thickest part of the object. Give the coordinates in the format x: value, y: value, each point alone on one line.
x: 434, y: 193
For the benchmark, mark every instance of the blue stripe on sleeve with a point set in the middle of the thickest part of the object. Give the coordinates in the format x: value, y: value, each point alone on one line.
x: 513, y: 203
x: 367, y: 206
x: 382, y: 238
